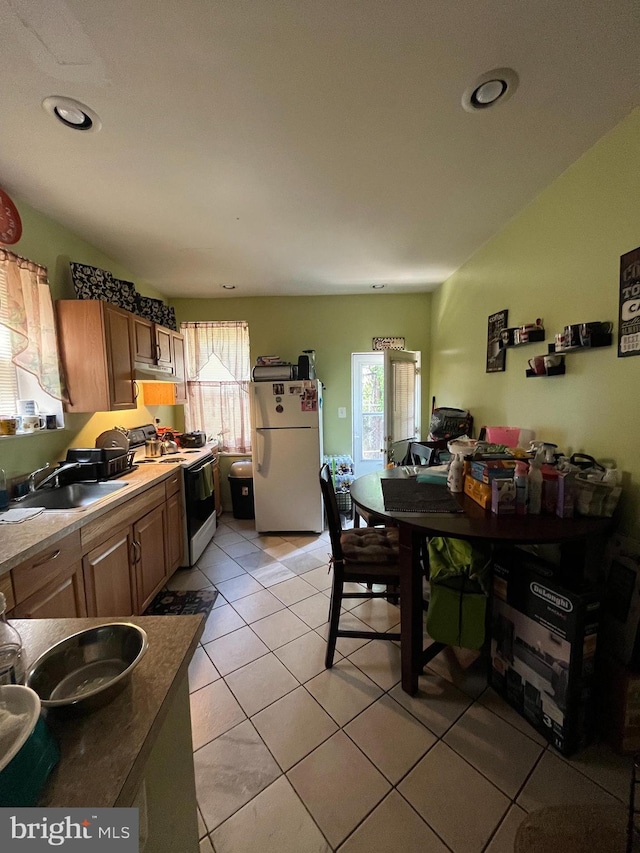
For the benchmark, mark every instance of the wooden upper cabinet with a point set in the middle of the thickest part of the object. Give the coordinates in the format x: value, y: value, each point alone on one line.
x: 95, y: 340
x: 144, y: 343
x: 163, y: 346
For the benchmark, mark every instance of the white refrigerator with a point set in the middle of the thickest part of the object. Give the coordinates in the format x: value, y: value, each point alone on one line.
x: 286, y: 421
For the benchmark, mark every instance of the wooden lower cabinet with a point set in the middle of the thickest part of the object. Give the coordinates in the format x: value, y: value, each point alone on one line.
x: 108, y: 576
x: 61, y: 598
x: 151, y: 560
x: 174, y: 540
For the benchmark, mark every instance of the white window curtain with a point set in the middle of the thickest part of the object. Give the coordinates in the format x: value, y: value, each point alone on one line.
x: 218, y: 373
x: 28, y: 330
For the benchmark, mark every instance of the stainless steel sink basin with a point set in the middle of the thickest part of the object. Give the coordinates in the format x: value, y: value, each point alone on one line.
x: 74, y: 496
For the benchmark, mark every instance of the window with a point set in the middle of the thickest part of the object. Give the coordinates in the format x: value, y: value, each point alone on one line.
x: 217, y: 366
x: 29, y: 367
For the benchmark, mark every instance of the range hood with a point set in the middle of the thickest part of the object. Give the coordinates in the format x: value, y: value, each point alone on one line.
x: 152, y: 373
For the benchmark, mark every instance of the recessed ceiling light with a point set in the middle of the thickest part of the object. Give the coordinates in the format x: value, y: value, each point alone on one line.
x: 228, y: 287
x: 72, y: 113
x: 377, y: 286
x: 495, y: 86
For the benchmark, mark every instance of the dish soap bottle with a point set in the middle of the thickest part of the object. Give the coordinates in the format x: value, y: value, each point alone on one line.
x: 522, y: 487
x: 534, y: 481
x: 455, y: 477
x: 11, y: 661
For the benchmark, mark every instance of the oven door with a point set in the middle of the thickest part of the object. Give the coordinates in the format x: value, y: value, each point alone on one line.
x: 200, y: 507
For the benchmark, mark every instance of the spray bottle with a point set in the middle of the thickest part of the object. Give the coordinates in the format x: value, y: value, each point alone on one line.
x: 534, y: 481
x: 455, y: 477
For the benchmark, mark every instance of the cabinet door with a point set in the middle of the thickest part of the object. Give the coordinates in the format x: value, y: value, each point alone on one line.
x: 151, y: 561
x: 177, y: 342
x: 108, y: 576
x: 175, y: 531
x: 216, y: 486
x: 164, y: 354
x: 144, y: 342
x: 63, y: 598
x: 119, y: 358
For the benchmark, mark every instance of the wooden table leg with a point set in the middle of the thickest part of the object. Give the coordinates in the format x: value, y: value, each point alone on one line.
x: 410, y: 608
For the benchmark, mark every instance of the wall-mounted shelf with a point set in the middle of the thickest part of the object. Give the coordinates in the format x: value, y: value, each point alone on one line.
x: 508, y: 337
x: 604, y: 339
x: 551, y: 371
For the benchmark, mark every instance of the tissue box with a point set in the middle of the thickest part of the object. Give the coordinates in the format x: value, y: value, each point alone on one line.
x: 503, y: 497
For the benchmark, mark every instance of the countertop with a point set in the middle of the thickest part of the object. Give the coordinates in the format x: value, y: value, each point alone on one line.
x: 20, y: 541
x: 103, y: 754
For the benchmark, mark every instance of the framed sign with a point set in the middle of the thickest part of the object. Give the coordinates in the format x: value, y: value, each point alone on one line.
x: 496, y: 355
x: 629, y: 313
x: 387, y: 343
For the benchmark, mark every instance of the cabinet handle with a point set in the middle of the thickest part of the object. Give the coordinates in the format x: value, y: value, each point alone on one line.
x: 136, y: 390
x: 46, y: 559
x: 158, y: 352
x: 137, y: 549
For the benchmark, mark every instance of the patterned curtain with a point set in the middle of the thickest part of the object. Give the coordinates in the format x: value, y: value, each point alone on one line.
x: 218, y: 373
x: 26, y: 310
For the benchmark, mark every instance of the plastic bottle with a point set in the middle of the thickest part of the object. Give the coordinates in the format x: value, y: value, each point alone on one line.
x: 11, y: 662
x: 534, y: 481
x: 455, y: 477
x: 522, y: 488
x: 4, y: 494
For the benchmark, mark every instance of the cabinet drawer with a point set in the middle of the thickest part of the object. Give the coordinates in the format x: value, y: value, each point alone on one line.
x: 37, y: 571
x: 173, y: 484
x: 7, y: 588
x: 127, y: 513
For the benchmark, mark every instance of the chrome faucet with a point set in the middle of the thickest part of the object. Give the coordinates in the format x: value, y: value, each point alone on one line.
x: 31, y: 479
x: 53, y: 476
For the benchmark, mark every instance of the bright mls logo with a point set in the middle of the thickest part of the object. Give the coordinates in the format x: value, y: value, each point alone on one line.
x: 82, y: 830
x: 551, y: 597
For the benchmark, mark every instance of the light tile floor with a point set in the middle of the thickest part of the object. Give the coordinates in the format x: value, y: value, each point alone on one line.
x: 292, y: 758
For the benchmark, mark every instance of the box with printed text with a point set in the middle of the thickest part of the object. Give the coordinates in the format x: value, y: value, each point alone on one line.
x: 543, y: 644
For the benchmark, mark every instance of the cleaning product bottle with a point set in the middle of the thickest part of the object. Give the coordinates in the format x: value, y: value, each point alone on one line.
x: 455, y: 478
x: 11, y: 661
x: 534, y: 481
x: 522, y: 487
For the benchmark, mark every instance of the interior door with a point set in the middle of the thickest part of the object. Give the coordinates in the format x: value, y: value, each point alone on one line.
x: 401, y: 401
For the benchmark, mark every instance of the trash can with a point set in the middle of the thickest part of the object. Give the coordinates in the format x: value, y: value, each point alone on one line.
x: 241, y: 485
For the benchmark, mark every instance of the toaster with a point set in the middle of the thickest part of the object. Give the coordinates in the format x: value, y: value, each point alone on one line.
x: 193, y: 439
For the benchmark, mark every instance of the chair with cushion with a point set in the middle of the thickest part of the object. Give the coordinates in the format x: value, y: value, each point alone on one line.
x: 365, y: 555
x: 426, y: 452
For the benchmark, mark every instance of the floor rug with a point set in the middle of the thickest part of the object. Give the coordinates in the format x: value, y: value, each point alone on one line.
x: 182, y: 602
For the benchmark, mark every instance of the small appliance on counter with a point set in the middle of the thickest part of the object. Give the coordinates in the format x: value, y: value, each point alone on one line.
x: 197, y: 438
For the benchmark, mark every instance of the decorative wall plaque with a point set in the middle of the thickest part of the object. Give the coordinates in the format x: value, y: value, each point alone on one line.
x: 629, y: 311
x: 496, y: 355
x: 387, y: 343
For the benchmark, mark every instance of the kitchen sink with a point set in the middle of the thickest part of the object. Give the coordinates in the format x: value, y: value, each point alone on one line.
x: 74, y: 496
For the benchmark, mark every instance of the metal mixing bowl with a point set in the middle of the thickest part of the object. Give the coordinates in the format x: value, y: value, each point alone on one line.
x: 85, y: 671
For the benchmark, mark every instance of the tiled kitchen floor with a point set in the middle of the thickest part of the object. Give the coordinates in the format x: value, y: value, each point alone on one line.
x: 293, y: 758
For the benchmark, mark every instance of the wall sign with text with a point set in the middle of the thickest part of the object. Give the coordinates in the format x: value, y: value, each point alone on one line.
x: 387, y: 343
x: 496, y: 355
x: 629, y: 314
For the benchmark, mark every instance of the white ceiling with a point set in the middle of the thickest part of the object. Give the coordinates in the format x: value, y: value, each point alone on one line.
x: 302, y: 146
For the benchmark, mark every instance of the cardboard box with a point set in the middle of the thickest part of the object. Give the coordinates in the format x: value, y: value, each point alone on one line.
x: 490, y: 470
x: 543, y: 643
x: 477, y: 491
x: 566, y: 494
x: 618, y: 705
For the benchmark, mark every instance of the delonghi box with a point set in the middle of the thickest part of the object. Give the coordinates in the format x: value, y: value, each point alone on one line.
x: 543, y: 643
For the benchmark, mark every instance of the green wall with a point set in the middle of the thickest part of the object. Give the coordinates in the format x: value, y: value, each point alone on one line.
x: 334, y: 327
x: 50, y: 244
x: 559, y: 260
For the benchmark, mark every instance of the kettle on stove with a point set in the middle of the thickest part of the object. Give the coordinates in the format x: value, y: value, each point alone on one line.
x: 169, y: 444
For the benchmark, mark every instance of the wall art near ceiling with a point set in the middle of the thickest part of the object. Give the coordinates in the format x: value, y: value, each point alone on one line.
x: 387, y: 343
x: 629, y: 314
x: 10, y: 222
x: 496, y: 355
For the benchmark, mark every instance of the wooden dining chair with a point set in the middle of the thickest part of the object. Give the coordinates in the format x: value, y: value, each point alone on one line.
x: 365, y: 555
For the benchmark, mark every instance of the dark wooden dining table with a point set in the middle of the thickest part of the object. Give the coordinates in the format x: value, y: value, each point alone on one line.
x: 581, y: 541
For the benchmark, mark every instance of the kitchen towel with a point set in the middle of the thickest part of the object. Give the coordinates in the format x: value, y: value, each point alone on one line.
x: 15, y: 516
x: 411, y: 496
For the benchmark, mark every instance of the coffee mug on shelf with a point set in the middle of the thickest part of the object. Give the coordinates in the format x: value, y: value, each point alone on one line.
x: 552, y: 361
x: 589, y: 329
x: 28, y: 407
x: 51, y: 421
x: 8, y: 426
x: 30, y: 423
x: 537, y: 365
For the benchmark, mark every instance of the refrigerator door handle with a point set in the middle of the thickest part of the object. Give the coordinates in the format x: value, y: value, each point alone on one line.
x: 259, y: 446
